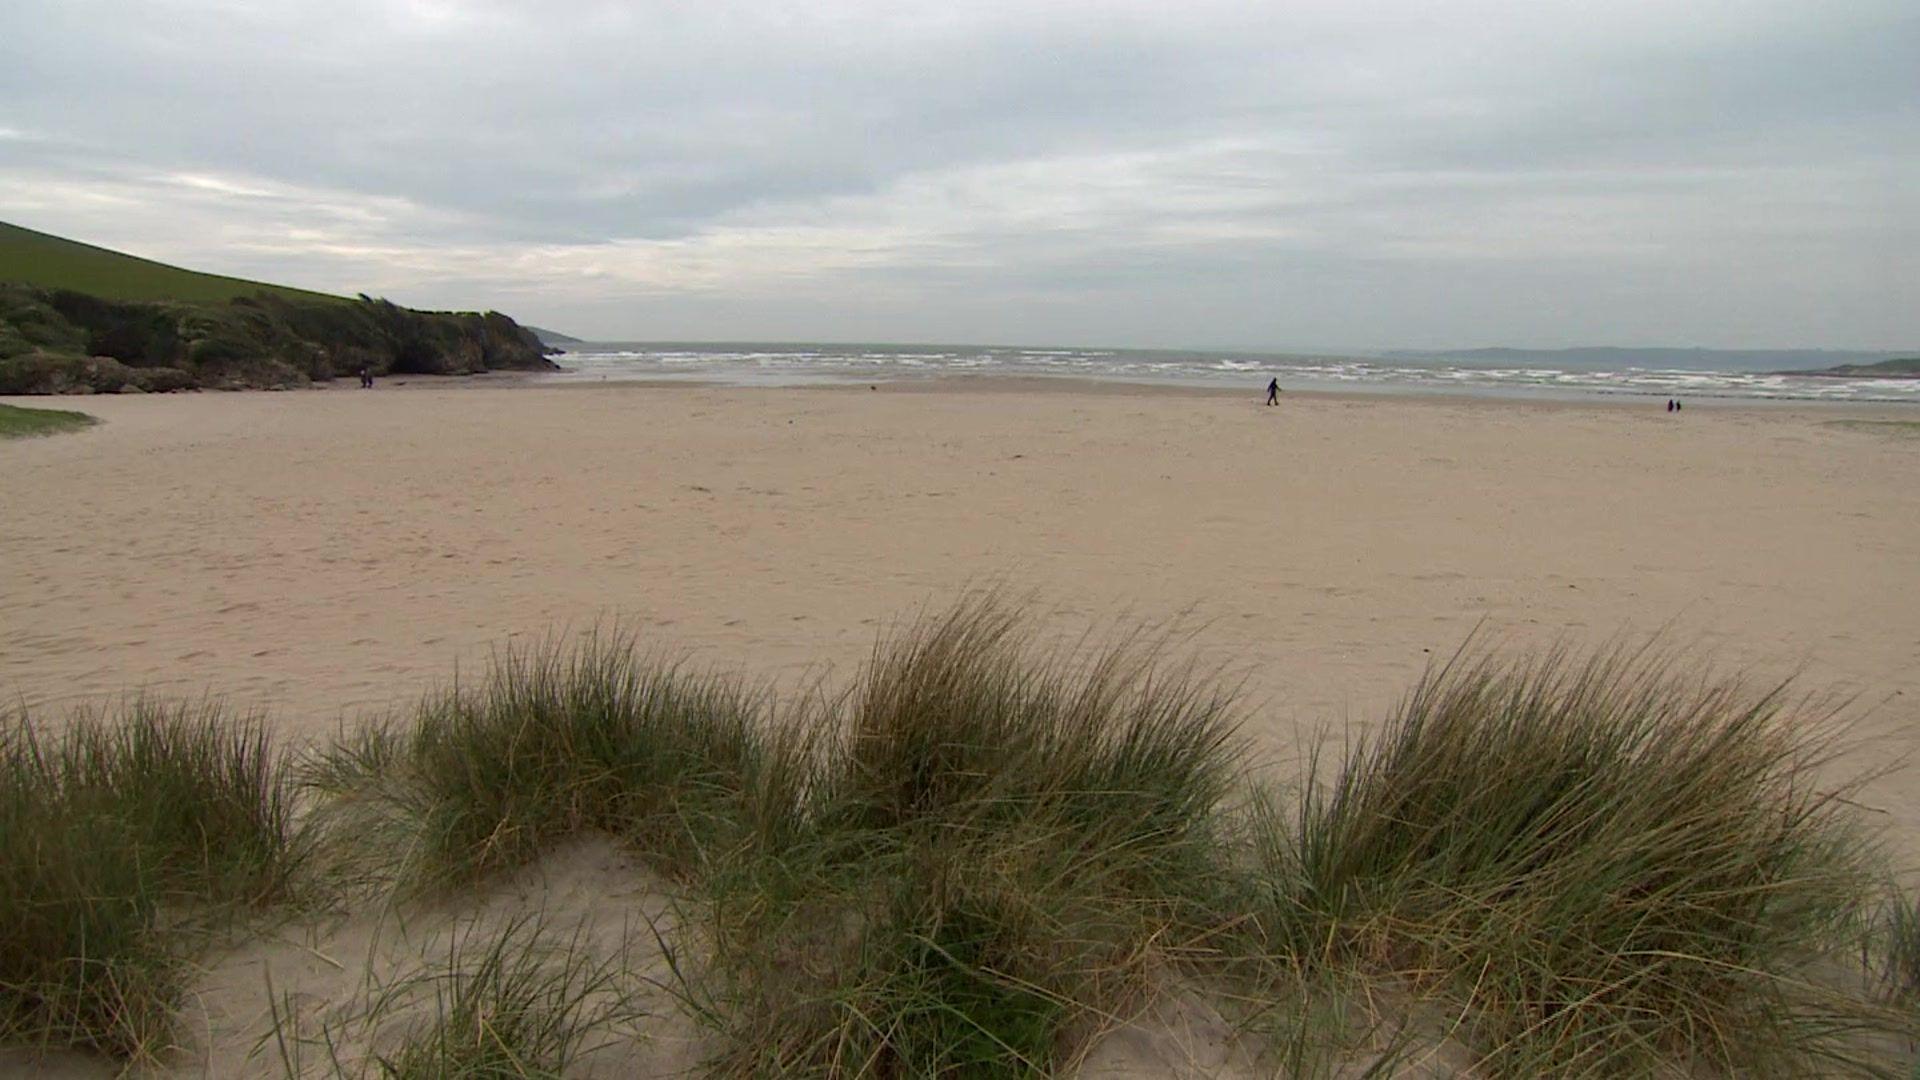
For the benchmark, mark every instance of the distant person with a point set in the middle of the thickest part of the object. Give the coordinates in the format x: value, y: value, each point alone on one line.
x: 366, y: 378
x: 1677, y: 406
x: 1669, y: 404
x: 1273, y: 392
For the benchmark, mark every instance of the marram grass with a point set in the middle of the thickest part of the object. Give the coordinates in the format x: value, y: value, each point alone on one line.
x: 986, y: 853
x: 119, y: 840
x: 1605, y: 865
x: 1893, y: 947
x: 552, y: 742
x: 511, y: 999
x: 995, y: 849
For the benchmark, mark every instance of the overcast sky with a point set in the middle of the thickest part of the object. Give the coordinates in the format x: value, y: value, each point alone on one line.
x: 1301, y: 175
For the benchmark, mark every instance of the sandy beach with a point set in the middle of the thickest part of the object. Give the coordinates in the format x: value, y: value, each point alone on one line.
x: 324, y: 556
x: 327, y: 551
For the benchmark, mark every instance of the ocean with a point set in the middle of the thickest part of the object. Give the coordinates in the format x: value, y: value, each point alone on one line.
x: 1576, y: 376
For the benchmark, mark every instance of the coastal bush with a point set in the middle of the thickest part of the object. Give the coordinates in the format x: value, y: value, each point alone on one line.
x: 49, y: 373
x: 118, y: 840
x: 58, y: 340
x: 1607, y: 865
x: 29, y: 324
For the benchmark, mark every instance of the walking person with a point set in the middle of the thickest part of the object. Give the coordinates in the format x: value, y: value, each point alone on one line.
x: 1273, y: 392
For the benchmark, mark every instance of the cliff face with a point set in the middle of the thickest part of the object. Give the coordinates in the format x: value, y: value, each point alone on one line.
x: 60, y: 341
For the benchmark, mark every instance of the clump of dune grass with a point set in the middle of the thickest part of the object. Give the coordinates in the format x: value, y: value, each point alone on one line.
x: 997, y: 844
x: 509, y: 999
x: 961, y: 718
x: 557, y: 739
x: 1605, y: 865
x: 120, y: 839
x: 921, y: 959
x: 204, y: 792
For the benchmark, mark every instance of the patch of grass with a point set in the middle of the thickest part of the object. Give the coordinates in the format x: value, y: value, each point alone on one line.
x: 119, y: 841
x: 17, y: 422
x: 508, y: 1001
x: 1604, y: 865
x: 556, y: 740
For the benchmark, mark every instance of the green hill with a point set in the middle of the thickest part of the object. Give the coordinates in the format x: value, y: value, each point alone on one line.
x: 51, y: 262
x: 75, y: 318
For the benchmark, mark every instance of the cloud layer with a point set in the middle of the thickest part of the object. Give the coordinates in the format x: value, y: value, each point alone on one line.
x: 1316, y: 174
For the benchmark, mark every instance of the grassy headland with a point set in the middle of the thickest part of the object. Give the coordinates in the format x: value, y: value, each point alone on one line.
x: 76, y: 318
x: 984, y: 854
x: 18, y: 422
x: 53, y: 262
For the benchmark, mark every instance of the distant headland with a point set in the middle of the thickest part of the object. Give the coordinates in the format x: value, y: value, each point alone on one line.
x: 1905, y: 367
x: 75, y: 318
x: 554, y: 337
x: 1616, y: 357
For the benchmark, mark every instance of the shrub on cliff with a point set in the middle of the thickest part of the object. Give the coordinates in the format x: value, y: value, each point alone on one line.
x: 52, y: 373
x: 54, y: 341
x: 28, y: 324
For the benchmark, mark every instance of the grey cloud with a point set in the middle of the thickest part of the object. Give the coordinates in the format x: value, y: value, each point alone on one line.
x: 1104, y: 172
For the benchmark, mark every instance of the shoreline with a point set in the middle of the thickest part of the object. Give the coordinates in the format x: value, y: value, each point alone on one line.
x: 1522, y: 378
x: 1071, y: 384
